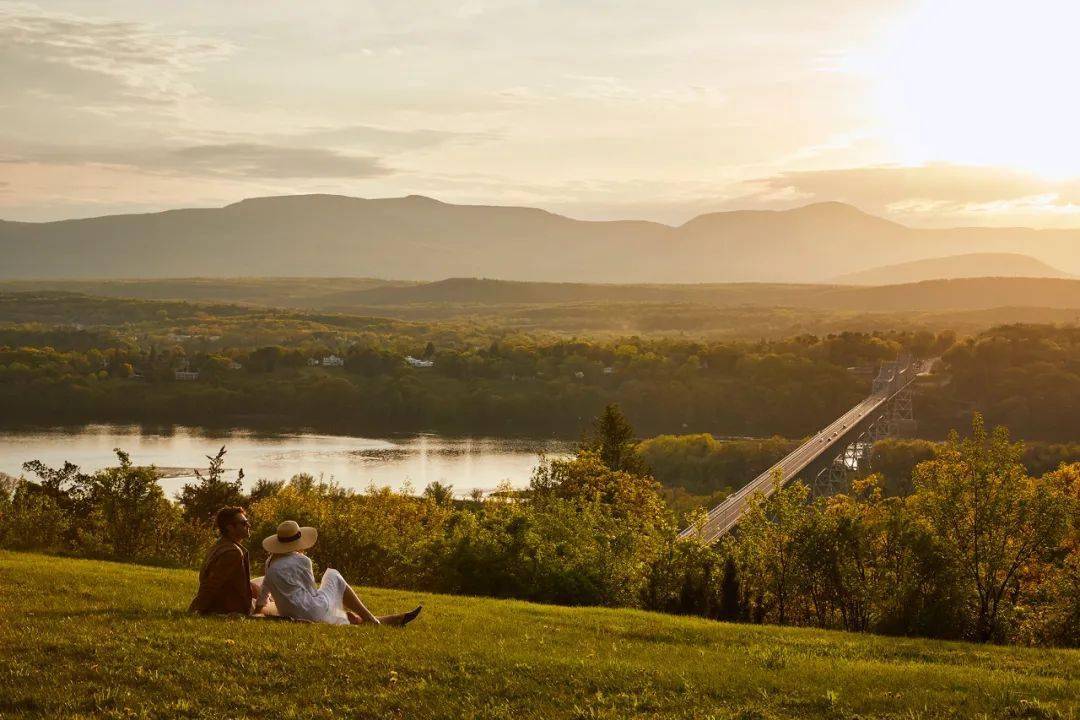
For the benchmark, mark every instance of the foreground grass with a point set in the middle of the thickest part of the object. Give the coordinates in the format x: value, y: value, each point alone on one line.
x: 82, y: 638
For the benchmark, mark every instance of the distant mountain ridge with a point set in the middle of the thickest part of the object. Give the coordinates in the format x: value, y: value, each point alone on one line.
x: 971, y: 265
x: 419, y: 238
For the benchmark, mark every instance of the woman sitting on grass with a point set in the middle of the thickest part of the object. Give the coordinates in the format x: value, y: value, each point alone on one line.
x: 290, y: 580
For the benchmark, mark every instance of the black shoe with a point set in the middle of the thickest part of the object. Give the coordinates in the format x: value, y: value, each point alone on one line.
x: 411, y: 615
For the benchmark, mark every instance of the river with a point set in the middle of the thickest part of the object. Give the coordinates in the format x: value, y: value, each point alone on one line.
x: 408, y: 462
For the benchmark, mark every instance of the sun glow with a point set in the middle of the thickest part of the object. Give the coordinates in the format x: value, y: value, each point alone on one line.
x: 984, y: 82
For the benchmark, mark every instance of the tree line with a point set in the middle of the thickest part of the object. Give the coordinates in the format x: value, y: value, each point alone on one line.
x: 517, y: 384
x: 979, y: 549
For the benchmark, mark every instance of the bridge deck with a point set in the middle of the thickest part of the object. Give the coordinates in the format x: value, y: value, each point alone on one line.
x: 722, y: 518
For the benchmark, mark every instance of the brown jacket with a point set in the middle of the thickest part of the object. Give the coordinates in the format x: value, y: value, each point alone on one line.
x: 224, y: 581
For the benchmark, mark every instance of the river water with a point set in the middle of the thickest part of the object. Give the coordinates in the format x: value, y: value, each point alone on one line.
x: 402, y: 463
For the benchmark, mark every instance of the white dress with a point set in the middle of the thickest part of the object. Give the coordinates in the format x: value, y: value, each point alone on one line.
x: 290, y: 580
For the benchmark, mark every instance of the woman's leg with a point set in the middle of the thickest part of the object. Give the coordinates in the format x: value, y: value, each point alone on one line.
x: 355, y: 608
x: 352, y: 602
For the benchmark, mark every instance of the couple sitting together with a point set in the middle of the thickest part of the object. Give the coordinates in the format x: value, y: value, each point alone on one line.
x: 288, y: 588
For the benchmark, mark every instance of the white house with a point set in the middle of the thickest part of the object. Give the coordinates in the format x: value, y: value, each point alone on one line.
x: 186, y: 373
x: 333, y: 361
x: 418, y: 363
x: 313, y: 362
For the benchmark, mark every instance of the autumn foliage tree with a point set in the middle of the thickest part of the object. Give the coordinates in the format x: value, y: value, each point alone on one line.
x: 990, y: 520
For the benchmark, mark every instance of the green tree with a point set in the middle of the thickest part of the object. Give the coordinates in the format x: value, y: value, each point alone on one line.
x: 130, y: 509
x: 439, y: 493
x: 613, y: 439
x: 211, y: 492
x: 767, y: 550
x: 990, y: 519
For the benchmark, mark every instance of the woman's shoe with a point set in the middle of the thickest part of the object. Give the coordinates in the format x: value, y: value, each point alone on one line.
x: 411, y: 615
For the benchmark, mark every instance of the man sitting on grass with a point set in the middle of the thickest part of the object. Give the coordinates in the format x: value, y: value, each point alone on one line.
x: 225, y: 578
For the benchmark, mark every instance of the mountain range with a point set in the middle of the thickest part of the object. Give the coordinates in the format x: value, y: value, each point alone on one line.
x: 419, y: 238
x: 971, y: 265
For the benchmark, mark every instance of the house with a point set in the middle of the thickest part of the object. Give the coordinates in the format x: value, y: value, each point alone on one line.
x: 333, y: 361
x: 233, y: 365
x: 579, y: 375
x: 185, y: 373
x: 313, y: 362
x: 418, y: 363
x: 609, y: 370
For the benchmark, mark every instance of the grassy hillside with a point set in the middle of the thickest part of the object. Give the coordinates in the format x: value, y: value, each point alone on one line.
x: 93, y: 639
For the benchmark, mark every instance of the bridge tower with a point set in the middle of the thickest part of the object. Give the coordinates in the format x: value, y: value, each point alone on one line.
x: 896, y: 418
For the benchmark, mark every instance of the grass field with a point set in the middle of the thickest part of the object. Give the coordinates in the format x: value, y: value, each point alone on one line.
x: 93, y: 639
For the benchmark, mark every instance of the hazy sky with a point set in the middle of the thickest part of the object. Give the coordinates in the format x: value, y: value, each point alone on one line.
x: 938, y: 113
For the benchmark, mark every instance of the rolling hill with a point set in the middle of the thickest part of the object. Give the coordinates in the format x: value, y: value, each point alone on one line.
x: 971, y: 265
x: 418, y: 238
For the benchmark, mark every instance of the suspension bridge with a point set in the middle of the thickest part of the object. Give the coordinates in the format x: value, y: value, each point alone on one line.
x: 827, y: 460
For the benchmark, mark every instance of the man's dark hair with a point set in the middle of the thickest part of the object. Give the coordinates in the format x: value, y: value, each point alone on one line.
x: 226, y: 516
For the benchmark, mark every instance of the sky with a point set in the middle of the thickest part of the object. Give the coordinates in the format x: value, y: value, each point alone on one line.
x: 940, y: 113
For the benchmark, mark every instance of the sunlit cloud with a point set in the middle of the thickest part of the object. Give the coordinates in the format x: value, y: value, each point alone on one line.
x: 246, y: 160
x: 924, y: 194
x: 99, y: 62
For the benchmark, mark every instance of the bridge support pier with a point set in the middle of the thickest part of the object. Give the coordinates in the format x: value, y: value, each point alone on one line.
x: 897, y: 419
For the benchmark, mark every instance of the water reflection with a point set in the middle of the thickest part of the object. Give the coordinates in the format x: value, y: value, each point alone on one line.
x: 401, y: 463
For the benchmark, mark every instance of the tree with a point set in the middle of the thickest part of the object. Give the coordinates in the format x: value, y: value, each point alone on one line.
x: 265, y: 359
x: 131, y: 508
x: 989, y: 518
x: 201, y: 499
x: 439, y: 493
x: 613, y: 439
x: 768, y: 553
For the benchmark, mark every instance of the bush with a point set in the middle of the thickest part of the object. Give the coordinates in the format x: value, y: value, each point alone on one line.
x: 30, y: 519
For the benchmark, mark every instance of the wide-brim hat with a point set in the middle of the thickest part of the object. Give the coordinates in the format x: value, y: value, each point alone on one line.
x: 290, y: 537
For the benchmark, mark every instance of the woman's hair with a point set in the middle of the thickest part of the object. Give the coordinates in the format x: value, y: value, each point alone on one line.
x: 226, y: 516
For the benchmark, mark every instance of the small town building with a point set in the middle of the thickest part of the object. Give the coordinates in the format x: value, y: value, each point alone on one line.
x: 333, y: 361
x: 419, y: 363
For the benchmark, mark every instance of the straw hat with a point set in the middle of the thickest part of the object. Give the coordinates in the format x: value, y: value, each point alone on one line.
x: 290, y: 537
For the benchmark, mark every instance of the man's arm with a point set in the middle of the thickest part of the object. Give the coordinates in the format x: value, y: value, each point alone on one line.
x: 218, y: 573
x: 264, y: 596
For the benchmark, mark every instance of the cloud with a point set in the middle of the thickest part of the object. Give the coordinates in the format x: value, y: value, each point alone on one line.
x: 242, y: 160
x: 386, y: 139
x: 268, y: 161
x: 101, y: 62
x: 941, y: 190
